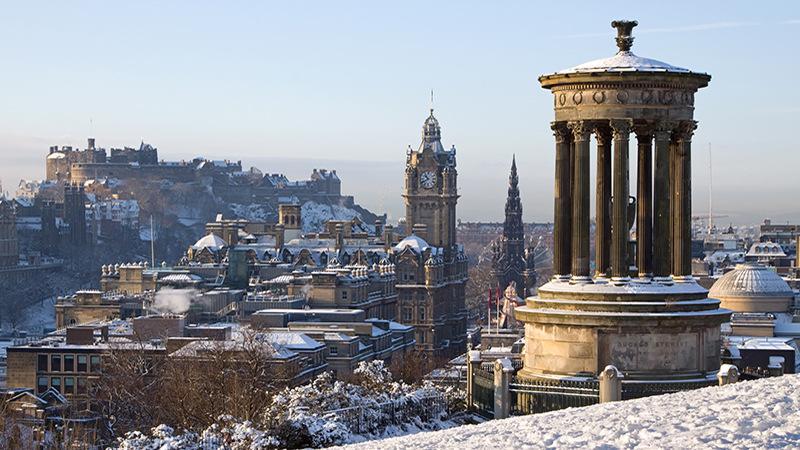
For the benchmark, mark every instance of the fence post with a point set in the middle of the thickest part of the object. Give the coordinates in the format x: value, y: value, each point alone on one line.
x: 502, y: 400
x: 728, y: 373
x: 610, y: 384
x: 473, y: 363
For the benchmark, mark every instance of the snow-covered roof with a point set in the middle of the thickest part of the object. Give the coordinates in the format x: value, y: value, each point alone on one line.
x: 750, y: 280
x: 625, y: 61
x: 415, y: 242
x: 212, y: 241
x: 766, y: 249
x: 56, y: 155
x: 293, y: 341
x: 719, y: 256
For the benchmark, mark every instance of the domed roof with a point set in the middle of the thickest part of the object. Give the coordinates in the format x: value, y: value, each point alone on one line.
x: 415, y: 242
x: 212, y: 241
x: 750, y: 281
x: 625, y: 60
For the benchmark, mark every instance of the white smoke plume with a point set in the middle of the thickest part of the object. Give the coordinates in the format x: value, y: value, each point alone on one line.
x: 175, y: 301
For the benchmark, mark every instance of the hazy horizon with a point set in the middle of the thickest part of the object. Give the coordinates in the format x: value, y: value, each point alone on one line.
x: 289, y: 87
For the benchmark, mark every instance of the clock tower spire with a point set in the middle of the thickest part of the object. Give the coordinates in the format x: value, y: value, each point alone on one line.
x: 431, y: 189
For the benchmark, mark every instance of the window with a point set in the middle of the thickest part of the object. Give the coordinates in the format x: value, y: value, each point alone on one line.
x: 69, y: 363
x: 334, y: 351
x: 421, y: 313
x: 55, y: 363
x: 41, y: 363
x: 69, y: 385
x: 82, y: 363
x: 55, y: 383
x: 81, y: 386
x: 407, y: 296
x: 344, y: 295
x: 421, y: 337
x: 422, y: 296
x: 95, y: 360
x: 407, y: 314
x: 41, y: 385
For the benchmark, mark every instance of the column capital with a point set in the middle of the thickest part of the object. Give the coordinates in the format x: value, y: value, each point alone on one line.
x: 685, y: 130
x: 622, y: 128
x: 644, y: 131
x: 662, y: 129
x: 602, y: 133
x: 581, y: 130
x: 560, y: 131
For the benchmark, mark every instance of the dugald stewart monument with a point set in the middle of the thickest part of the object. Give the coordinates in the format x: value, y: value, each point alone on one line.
x: 639, y: 309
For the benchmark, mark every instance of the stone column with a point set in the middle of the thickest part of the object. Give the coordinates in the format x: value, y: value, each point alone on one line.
x: 563, y: 204
x: 661, y: 203
x: 602, y: 232
x: 619, y: 216
x: 682, y: 214
x: 644, y: 194
x: 580, y: 202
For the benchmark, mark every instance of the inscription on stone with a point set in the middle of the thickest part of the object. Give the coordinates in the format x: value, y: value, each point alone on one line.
x: 650, y: 352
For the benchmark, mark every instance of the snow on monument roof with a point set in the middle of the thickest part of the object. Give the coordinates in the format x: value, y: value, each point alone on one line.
x: 625, y: 61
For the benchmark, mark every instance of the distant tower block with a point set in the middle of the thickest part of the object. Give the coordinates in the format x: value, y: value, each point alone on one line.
x: 652, y: 321
x: 290, y: 219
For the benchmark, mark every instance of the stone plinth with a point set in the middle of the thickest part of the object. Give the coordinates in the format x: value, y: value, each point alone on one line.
x: 649, y: 330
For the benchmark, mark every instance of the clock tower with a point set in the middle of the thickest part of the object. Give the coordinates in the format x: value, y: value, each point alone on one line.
x: 431, y: 190
x: 431, y: 270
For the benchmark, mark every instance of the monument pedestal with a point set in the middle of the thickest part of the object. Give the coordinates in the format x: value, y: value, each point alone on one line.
x: 648, y: 330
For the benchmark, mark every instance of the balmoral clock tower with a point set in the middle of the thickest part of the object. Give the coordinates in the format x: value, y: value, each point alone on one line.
x: 431, y: 270
x: 431, y: 190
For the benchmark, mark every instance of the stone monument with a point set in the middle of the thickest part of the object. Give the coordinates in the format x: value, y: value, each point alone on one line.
x: 651, y: 320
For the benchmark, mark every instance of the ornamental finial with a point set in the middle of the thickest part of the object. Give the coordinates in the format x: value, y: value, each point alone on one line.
x: 624, y: 38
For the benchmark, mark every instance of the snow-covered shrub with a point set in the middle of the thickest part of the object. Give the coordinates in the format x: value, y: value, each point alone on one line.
x: 322, y: 413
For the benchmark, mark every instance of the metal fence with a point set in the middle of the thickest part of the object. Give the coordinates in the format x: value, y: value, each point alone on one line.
x: 541, y: 395
x: 361, y: 419
x: 483, y: 391
x: 633, y: 389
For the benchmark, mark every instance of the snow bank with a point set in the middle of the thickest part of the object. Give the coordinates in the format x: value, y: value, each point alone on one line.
x: 759, y: 414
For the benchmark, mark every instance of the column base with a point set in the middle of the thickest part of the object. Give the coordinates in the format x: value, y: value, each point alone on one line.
x: 562, y: 278
x: 581, y: 280
x: 668, y: 281
x: 620, y: 280
x: 684, y: 279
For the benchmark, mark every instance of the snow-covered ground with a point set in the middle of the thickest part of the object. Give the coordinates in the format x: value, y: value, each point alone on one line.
x: 763, y: 414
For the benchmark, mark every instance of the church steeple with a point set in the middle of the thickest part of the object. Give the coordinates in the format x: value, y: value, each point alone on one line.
x: 508, y: 262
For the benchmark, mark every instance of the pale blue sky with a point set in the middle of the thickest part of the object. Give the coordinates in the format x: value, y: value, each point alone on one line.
x: 292, y: 86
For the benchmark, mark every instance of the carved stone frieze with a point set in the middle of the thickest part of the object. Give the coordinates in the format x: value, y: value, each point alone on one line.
x: 590, y: 95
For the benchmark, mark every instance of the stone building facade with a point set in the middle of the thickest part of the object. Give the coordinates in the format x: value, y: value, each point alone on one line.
x: 431, y: 268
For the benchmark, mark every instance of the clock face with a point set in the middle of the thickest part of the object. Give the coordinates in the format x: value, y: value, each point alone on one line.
x: 427, y: 179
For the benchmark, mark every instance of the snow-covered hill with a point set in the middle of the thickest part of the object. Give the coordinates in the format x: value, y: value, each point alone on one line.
x: 763, y: 414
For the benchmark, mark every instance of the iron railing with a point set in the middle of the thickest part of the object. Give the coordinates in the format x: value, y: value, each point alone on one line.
x: 542, y: 395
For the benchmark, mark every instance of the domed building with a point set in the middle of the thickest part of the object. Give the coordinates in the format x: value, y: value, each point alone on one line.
x: 758, y: 298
